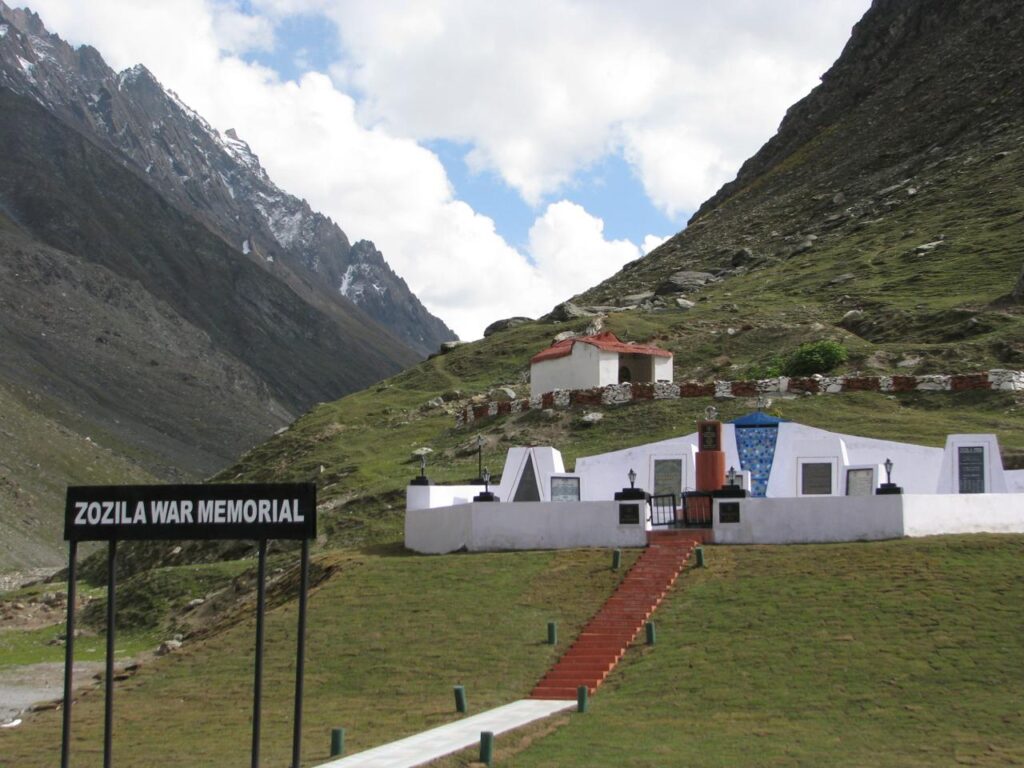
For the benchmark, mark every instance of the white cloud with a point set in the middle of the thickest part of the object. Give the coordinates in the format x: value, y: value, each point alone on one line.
x: 568, y: 246
x: 543, y: 88
x: 538, y: 89
x: 653, y: 241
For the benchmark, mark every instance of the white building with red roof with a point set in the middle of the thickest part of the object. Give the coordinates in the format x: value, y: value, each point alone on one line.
x: 585, y: 362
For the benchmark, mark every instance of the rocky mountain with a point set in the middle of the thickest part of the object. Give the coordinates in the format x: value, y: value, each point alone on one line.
x: 887, y: 207
x: 161, y: 300
x: 212, y: 176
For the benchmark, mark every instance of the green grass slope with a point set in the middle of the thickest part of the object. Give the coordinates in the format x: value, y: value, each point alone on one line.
x: 389, y: 635
x: 903, y: 653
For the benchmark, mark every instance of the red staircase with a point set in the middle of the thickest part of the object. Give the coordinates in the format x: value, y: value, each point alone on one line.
x: 604, y: 640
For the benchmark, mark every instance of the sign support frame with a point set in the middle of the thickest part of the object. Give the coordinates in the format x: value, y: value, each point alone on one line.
x: 110, y: 513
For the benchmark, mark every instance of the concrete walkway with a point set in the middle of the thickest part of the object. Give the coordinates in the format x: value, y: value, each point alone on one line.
x: 441, y: 741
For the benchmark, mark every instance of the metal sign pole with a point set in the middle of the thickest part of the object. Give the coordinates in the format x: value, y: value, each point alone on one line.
x: 300, y: 656
x: 257, y: 687
x: 108, y: 693
x: 69, y: 655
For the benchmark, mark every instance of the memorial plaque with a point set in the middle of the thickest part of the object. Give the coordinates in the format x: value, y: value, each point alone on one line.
x: 972, y: 468
x: 565, y: 489
x: 816, y: 479
x: 710, y: 436
x: 668, y: 476
x: 629, y: 514
x: 729, y: 512
x: 860, y: 482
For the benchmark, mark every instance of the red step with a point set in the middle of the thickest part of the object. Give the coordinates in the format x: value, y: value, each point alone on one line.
x: 604, y: 639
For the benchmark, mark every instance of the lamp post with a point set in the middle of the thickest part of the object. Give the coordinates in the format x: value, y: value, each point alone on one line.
x: 422, y: 479
x: 480, y: 456
x: 486, y: 495
x: 632, y: 478
x: 888, y: 487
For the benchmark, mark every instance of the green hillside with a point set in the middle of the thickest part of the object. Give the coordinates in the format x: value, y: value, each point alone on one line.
x: 904, y: 653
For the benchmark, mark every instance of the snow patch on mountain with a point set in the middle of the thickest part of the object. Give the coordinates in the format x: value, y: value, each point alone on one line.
x: 357, y: 280
x: 3, y: 30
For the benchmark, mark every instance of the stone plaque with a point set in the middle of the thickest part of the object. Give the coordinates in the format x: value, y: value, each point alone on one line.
x: 629, y: 514
x: 860, y: 482
x: 728, y: 512
x: 565, y: 489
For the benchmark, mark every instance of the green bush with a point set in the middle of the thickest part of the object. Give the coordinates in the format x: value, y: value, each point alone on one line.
x: 815, y: 357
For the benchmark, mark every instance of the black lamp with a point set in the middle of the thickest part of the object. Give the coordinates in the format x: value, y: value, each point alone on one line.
x: 422, y: 479
x: 888, y: 487
x: 480, y: 456
x: 486, y: 495
x: 632, y: 492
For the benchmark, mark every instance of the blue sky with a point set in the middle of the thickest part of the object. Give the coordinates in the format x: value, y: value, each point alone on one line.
x: 502, y: 156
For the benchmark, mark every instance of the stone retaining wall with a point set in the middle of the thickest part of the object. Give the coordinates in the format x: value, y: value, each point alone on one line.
x: 617, y: 394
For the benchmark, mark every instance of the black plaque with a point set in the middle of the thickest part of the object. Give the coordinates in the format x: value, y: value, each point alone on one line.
x: 728, y: 511
x: 710, y: 435
x: 972, y: 468
x: 227, y: 511
x: 629, y: 514
x: 816, y: 479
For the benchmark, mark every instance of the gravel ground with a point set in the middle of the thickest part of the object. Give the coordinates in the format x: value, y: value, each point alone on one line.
x: 15, y: 579
x: 23, y: 686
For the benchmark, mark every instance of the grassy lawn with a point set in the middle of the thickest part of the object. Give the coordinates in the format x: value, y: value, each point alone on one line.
x: 389, y: 635
x: 903, y: 653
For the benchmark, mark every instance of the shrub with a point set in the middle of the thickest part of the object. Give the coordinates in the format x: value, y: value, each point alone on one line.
x: 815, y: 357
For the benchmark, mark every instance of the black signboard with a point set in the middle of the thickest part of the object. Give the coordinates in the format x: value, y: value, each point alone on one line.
x: 728, y: 512
x: 629, y: 514
x: 120, y: 512
x: 113, y: 513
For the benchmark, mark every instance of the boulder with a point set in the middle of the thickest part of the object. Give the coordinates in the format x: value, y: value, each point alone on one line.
x: 563, y: 336
x: 446, y: 347
x: 685, y: 281
x: 567, y: 311
x: 636, y: 298
x: 684, y: 303
x: 502, y: 394
x: 168, y: 646
x: 502, y: 325
x: 592, y: 418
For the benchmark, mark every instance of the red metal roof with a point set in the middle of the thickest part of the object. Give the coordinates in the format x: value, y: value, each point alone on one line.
x: 606, y: 341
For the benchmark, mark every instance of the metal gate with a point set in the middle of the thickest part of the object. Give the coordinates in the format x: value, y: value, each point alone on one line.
x: 693, y: 510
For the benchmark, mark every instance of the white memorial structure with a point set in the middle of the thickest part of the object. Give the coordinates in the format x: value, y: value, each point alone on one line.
x: 803, y: 484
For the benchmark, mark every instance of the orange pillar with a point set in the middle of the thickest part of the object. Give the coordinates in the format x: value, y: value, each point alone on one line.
x: 710, y: 456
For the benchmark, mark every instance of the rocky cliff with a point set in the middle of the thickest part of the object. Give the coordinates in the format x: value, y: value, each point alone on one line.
x: 212, y: 176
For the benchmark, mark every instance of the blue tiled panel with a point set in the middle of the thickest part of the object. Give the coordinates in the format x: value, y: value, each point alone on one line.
x: 756, y: 446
